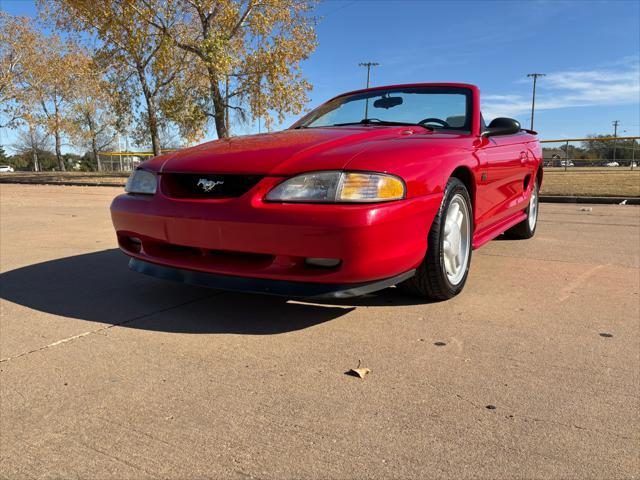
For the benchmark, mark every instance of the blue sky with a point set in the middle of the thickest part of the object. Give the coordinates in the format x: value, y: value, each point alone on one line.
x: 590, y: 51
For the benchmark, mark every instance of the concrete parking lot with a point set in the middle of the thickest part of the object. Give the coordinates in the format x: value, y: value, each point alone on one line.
x: 105, y: 373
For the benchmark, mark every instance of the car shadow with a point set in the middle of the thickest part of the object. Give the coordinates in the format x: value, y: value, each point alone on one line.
x: 98, y: 287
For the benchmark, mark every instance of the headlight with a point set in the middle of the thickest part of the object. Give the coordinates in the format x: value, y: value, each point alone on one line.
x: 337, y: 187
x: 142, y: 181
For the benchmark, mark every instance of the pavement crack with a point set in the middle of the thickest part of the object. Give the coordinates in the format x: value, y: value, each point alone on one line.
x: 106, y: 327
x: 135, y: 430
x: 600, y: 224
x: 549, y: 260
x: 246, y: 475
x: 460, y: 397
x: 120, y: 460
x: 568, y: 290
x: 578, y: 427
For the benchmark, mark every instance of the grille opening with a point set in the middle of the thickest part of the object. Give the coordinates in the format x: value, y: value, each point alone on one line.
x: 203, y: 186
x: 256, y: 257
x: 207, y: 257
x: 170, y: 247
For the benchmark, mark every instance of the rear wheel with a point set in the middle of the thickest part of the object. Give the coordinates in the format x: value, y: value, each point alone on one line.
x: 527, y: 228
x: 443, y: 272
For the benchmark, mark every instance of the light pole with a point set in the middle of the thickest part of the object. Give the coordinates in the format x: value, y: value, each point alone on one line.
x: 615, y: 124
x: 368, y: 65
x: 533, y: 100
x: 119, y: 152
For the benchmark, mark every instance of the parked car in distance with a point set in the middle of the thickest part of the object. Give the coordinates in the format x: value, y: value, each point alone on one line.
x: 566, y: 163
x: 612, y: 164
x: 376, y: 187
x: 6, y: 169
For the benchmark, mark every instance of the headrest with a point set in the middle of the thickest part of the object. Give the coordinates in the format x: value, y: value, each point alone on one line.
x: 456, y: 121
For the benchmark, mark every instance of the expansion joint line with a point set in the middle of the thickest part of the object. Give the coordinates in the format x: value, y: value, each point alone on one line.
x: 107, y: 327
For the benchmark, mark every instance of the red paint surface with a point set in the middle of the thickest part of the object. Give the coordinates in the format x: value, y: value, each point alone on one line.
x: 373, y: 241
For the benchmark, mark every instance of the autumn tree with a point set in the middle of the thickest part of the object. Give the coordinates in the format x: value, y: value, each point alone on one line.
x: 38, y: 78
x: 52, y: 81
x: 33, y: 145
x: 142, y: 61
x: 249, y: 52
x: 94, y: 116
x: 19, y: 47
x: 12, y: 33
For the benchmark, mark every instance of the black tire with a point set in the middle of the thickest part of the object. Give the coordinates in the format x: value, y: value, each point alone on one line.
x: 523, y: 230
x: 431, y: 280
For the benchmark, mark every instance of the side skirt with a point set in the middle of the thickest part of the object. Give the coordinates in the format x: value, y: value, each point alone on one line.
x: 491, y: 232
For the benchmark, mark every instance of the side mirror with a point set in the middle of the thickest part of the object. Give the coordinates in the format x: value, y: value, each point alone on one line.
x: 502, y: 126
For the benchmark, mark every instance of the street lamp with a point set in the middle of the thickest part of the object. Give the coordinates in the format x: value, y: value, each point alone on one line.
x: 533, y: 100
x: 368, y: 65
x: 615, y: 124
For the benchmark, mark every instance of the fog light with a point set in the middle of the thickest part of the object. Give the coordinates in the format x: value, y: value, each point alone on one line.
x: 135, y: 243
x: 322, y: 262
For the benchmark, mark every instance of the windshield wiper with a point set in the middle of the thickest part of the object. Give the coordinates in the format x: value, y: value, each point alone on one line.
x: 376, y: 121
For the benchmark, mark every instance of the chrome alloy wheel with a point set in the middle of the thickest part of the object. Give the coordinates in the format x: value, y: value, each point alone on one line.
x: 533, y: 207
x: 456, y: 241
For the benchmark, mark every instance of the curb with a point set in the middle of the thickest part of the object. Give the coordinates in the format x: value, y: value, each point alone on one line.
x: 63, y: 184
x: 600, y: 200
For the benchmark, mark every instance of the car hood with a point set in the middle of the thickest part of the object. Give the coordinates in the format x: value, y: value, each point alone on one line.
x: 286, y: 152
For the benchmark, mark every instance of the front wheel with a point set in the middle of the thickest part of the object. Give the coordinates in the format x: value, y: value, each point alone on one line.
x: 443, y: 272
x: 527, y: 228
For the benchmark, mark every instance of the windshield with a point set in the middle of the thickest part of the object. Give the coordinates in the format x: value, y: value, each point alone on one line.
x: 438, y: 108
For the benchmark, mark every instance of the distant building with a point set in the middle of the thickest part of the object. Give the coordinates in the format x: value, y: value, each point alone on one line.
x: 131, y: 162
x: 553, y: 157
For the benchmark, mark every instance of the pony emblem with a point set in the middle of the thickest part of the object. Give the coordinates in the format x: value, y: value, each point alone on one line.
x: 208, y: 185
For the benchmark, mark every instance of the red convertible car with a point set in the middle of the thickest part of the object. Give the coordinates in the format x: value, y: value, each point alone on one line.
x: 377, y: 187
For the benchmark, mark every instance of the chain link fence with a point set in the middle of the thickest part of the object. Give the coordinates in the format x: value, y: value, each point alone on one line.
x: 122, y: 161
x: 591, y: 154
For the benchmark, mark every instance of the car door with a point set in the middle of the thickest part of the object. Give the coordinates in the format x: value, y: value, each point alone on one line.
x: 503, y: 160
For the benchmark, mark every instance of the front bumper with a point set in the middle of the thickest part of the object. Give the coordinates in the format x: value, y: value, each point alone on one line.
x: 266, y: 286
x: 249, y: 238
